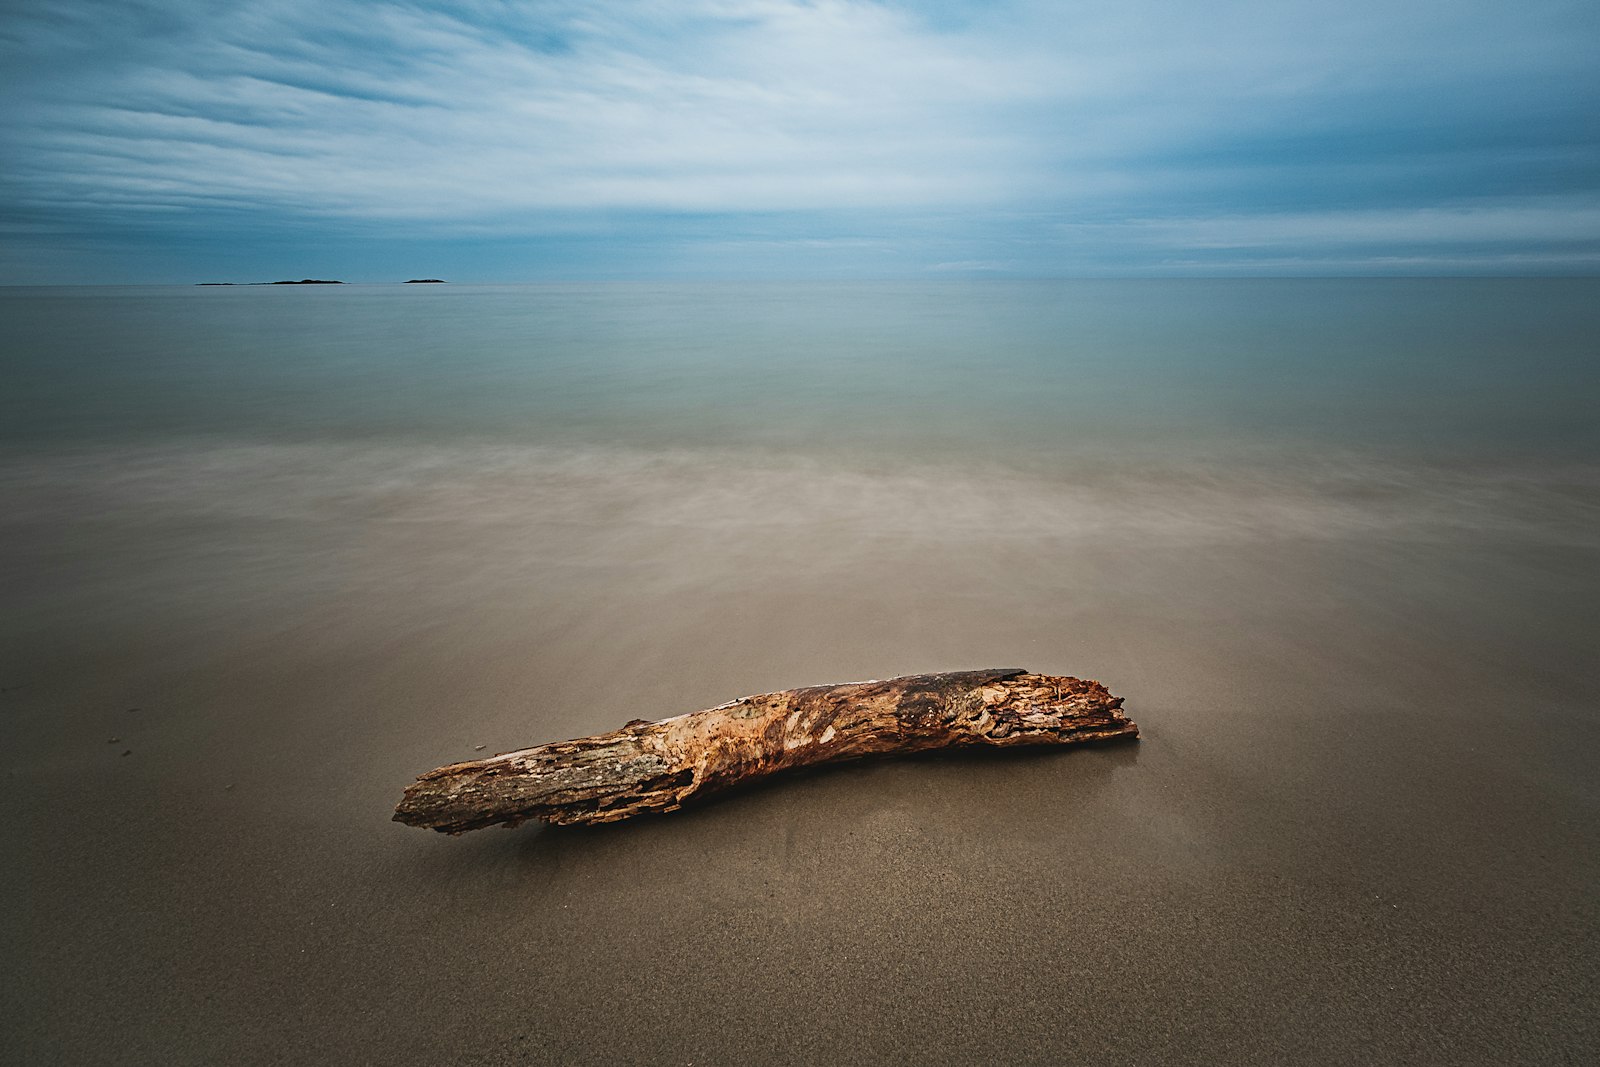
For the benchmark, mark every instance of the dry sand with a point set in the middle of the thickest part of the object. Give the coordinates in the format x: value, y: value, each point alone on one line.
x: 1360, y: 828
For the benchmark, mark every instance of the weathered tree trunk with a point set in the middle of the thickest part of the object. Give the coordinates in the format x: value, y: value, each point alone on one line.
x: 658, y: 766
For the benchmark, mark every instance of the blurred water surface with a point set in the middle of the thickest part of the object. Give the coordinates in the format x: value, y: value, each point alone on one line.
x: 1337, y: 542
x: 993, y: 370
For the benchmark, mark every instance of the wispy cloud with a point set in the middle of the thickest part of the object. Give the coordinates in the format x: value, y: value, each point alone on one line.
x: 455, y: 114
x: 1130, y: 133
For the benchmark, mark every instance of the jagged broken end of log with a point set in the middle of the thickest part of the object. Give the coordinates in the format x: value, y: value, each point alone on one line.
x: 659, y: 765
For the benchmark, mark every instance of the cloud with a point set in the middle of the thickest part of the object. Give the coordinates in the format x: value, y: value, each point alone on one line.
x: 445, y: 114
x: 970, y: 266
x: 1494, y: 224
x: 1098, y: 132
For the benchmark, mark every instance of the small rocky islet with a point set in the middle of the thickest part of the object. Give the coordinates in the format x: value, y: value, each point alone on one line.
x: 302, y: 281
x: 325, y: 281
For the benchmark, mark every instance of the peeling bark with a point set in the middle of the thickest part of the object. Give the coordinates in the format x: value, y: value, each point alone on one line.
x: 658, y: 766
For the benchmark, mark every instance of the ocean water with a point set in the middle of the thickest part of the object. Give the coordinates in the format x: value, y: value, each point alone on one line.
x: 1006, y: 371
x: 268, y: 552
x: 806, y: 429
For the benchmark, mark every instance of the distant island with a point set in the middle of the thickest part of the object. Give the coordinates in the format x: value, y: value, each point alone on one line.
x: 325, y: 281
x: 302, y: 281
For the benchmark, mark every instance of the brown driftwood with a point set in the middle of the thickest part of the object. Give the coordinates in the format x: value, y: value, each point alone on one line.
x: 658, y: 766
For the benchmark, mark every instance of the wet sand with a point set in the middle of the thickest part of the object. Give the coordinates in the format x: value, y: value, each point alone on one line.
x: 1360, y: 826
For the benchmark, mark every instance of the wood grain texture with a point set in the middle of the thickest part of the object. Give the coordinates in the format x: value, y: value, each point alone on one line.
x: 658, y: 766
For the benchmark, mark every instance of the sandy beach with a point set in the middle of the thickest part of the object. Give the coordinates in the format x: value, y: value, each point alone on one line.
x: 1360, y: 825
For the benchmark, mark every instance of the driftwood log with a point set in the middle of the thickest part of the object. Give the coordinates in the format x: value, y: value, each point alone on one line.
x: 658, y: 766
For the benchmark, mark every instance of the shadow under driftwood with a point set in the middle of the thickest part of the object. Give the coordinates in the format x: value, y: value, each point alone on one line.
x: 951, y: 795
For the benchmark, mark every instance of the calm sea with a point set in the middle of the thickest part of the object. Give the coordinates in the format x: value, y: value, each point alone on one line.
x: 808, y: 420
x: 266, y: 553
x: 1013, y: 372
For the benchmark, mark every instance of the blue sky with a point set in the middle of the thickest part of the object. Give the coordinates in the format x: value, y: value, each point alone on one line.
x: 508, y: 141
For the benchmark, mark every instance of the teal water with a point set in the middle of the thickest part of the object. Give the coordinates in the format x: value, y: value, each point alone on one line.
x: 184, y: 451
x: 267, y: 553
x: 1014, y: 371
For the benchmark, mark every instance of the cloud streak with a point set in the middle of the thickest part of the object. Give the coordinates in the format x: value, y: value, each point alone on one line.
x: 758, y: 106
x: 1238, y: 126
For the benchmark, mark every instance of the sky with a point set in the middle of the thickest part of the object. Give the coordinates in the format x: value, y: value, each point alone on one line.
x: 490, y: 140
